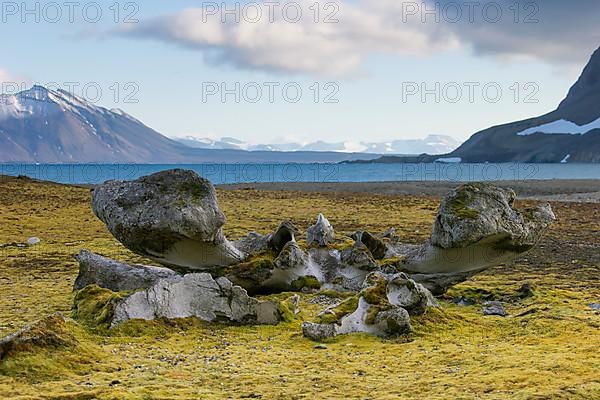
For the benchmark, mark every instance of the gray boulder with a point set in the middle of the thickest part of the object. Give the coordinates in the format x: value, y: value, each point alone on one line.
x: 476, y: 211
x: 110, y: 274
x: 494, y: 308
x: 171, y: 217
x: 291, y: 257
x: 408, y: 294
x: 359, y: 257
x: 195, y: 295
x: 254, y: 242
x: 476, y: 228
x: 318, y: 332
x: 394, y: 322
x: 321, y: 233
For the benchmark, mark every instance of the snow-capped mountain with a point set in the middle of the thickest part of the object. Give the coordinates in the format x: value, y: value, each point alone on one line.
x: 48, y: 126
x: 569, y: 134
x: 432, y: 144
x: 53, y: 126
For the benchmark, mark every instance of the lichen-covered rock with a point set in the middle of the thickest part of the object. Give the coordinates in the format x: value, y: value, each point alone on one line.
x: 291, y: 257
x: 253, y: 243
x: 476, y: 228
x: 382, y: 308
x: 171, y: 217
x: 410, y: 295
x: 321, y: 233
x: 359, y: 257
x: 394, y: 322
x: 195, y: 295
x: 110, y: 274
x: 318, y: 332
x: 375, y: 245
x: 49, y: 332
x: 494, y: 308
x: 476, y: 211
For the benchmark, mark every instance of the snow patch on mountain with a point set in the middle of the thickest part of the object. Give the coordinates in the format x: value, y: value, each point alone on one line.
x: 562, y: 126
x: 40, y: 101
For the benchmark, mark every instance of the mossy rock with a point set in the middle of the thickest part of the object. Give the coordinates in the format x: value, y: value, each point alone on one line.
x: 50, y: 332
x: 253, y: 272
x: 336, y: 314
x: 376, y: 296
x: 460, y: 206
x: 94, y: 306
x: 306, y: 282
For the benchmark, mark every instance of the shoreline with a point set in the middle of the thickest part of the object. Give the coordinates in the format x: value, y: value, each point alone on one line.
x: 559, y: 190
x: 568, y: 190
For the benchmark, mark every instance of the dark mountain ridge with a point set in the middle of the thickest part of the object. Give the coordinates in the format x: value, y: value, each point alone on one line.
x: 529, y: 141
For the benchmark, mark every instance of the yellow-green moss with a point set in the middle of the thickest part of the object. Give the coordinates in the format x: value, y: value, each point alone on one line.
x: 460, y: 206
x: 94, y: 306
x: 308, y: 282
x: 334, y: 315
x: 456, y: 352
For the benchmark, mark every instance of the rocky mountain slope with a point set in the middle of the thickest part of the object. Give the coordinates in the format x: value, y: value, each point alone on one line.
x: 46, y: 126
x: 569, y: 134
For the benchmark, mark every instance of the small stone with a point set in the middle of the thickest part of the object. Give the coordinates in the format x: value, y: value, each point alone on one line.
x: 33, y: 241
x: 594, y: 306
x: 318, y: 332
x: 463, y: 301
x: 321, y: 346
x: 494, y: 308
x: 526, y: 290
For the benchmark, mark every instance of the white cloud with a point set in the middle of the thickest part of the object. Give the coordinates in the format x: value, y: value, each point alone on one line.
x: 328, y: 49
x: 556, y: 31
x: 5, y: 77
x: 10, y: 83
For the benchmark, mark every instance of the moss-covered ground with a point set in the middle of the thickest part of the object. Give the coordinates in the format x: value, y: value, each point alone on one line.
x: 546, y: 349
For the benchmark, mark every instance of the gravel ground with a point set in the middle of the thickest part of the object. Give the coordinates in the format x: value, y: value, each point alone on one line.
x: 549, y: 190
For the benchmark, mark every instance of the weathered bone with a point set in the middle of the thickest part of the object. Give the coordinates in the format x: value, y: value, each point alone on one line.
x: 195, y: 295
x: 476, y: 228
x: 382, y: 308
x: 171, y: 217
x: 321, y: 233
x: 116, y: 276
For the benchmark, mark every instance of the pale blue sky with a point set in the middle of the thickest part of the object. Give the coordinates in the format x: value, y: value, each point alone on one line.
x: 371, y: 54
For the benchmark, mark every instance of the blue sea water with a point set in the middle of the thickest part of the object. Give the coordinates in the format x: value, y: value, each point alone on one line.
x: 248, y: 173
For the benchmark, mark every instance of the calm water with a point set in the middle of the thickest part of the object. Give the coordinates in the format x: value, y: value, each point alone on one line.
x: 247, y: 173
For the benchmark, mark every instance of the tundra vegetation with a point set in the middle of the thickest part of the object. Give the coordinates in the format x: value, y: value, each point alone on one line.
x: 545, y: 348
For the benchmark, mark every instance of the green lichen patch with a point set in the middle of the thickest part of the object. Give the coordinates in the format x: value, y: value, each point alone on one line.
x: 459, y: 205
x: 94, y: 306
x: 305, y: 282
x: 336, y: 314
x: 253, y: 271
x: 376, y: 296
x: 335, y: 294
